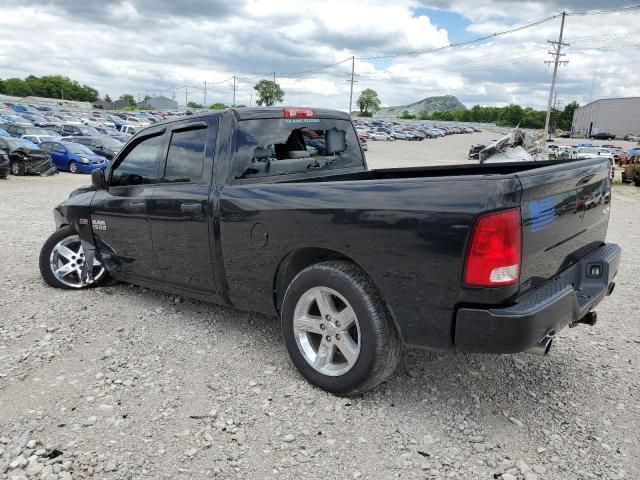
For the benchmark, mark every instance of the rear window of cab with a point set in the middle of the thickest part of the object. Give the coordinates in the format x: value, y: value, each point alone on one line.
x: 283, y: 146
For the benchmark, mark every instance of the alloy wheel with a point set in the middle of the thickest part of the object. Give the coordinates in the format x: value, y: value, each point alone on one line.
x: 327, y: 331
x: 67, y: 260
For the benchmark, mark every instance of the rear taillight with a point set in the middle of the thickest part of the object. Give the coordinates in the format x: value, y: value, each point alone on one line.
x: 290, y: 112
x: 494, y: 253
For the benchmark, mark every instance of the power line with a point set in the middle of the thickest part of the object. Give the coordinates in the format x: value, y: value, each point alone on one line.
x: 603, y: 12
x: 460, y: 44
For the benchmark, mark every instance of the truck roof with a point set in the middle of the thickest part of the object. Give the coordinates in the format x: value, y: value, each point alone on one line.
x: 245, y: 113
x: 278, y: 112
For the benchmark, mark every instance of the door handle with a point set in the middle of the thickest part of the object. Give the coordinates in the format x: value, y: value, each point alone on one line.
x: 137, y: 205
x: 191, y: 207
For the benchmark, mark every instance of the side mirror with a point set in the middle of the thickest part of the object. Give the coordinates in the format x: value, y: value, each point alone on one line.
x: 98, y: 179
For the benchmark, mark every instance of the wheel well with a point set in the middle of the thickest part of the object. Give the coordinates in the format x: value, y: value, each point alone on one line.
x: 294, y: 263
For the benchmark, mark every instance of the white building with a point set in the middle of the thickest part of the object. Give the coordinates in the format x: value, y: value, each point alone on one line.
x: 619, y: 116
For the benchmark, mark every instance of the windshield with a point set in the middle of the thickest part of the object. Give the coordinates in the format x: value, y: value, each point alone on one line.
x: 88, y: 130
x: 78, y: 149
x: 286, y: 146
x: 112, y: 143
x: 29, y: 144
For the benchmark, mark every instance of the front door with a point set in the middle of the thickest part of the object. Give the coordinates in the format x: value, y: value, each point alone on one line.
x: 120, y: 214
x: 180, y: 212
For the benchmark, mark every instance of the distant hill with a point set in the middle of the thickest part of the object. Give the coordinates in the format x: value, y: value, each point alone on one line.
x: 445, y: 103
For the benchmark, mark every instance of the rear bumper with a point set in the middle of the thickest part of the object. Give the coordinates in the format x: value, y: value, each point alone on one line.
x: 541, y: 312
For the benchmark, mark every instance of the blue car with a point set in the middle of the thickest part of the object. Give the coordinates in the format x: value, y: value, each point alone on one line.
x: 74, y: 157
x: 4, y: 133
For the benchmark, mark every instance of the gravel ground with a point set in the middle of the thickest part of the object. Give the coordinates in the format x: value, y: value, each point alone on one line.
x: 122, y: 382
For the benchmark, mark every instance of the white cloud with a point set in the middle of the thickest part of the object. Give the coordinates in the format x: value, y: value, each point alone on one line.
x: 140, y: 46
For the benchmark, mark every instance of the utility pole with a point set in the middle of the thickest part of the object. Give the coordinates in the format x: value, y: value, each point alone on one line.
x: 593, y: 84
x: 186, y: 90
x: 205, y: 95
x: 274, y: 77
x: 234, y: 92
x: 352, y: 80
x: 557, y: 47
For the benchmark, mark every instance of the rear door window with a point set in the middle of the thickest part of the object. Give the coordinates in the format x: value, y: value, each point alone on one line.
x: 185, y: 158
x: 283, y: 146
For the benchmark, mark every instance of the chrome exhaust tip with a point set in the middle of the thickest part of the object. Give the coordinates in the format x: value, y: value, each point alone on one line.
x: 542, y: 347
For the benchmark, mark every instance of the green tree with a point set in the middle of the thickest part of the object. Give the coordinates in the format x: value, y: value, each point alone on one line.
x: 218, y: 106
x: 147, y: 97
x: 368, y: 102
x: 407, y: 116
x: 129, y: 99
x: 17, y: 87
x: 269, y: 92
x: 194, y: 105
x: 50, y: 86
x: 107, y: 98
x: 565, y: 119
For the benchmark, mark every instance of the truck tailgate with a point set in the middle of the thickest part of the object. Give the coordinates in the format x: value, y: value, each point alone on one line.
x: 565, y: 212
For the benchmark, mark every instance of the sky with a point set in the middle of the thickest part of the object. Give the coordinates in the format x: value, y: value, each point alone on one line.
x: 156, y: 47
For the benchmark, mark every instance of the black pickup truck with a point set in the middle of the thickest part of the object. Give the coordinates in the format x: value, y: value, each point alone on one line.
x: 274, y: 210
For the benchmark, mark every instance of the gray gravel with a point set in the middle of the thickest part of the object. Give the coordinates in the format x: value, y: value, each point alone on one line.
x: 122, y: 382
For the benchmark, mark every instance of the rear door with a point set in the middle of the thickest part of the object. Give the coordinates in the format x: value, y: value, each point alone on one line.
x: 120, y: 214
x: 180, y: 212
x: 565, y: 213
x: 58, y: 154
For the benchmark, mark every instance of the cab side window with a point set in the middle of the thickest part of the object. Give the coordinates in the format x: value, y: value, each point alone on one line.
x: 140, y: 165
x: 185, y: 158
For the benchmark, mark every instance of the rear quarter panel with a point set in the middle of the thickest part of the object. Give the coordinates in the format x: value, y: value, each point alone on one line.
x: 408, y: 235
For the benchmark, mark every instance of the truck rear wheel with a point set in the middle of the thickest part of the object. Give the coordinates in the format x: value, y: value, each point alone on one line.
x: 337, y: 329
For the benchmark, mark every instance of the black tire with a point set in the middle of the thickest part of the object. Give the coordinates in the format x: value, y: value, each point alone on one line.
x: 73, y: 167
x: 17, y: 168
x: 636, y: 181
x: 44, y: 261
x: 380, y: 347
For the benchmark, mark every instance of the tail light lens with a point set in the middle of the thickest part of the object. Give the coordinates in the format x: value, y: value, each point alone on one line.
x: 495, y: 250
x: 299, y: 113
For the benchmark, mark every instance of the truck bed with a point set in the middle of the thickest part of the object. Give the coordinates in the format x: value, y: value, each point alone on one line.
x: 408, y: 229
x: 428, y: 171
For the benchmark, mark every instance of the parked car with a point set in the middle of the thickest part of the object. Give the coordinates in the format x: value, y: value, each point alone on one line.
x: 380, y: 136
x: 17, y: 130
x: 631, y: 171
x: 102, y: 145
x: 400, y: 135
x: 602, y: 136
x: 17, y: 119
x: 127, y: 129
x: 38, y: 139
x: 74, y: 157
x: 355, y: 262
x: 25, y: 158
x: 4, y: 133
x: 630, y: 137
x: 77, y: 130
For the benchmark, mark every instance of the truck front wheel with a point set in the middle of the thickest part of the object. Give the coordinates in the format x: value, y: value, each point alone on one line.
x: 62, y: 262
x: 337, y: 329
x: 17, y: 168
